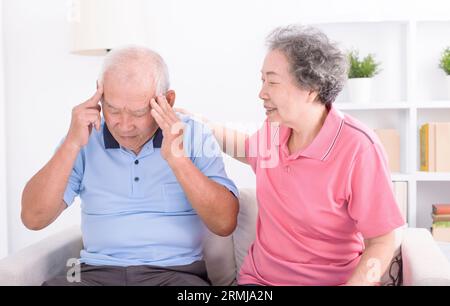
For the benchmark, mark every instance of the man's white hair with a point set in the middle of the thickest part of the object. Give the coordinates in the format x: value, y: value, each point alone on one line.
x: 131, y: 60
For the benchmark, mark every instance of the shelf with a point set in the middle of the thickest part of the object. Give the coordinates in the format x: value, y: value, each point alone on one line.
x: 433, y: 176
x: 400, y: 177
x: 429, y: 193
x: 410, y: 91
x: 434, y: 104
x: 371, y: 106
x: 444, y: 104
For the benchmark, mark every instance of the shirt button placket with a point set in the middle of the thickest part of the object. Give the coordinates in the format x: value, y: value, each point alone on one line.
x: 135, y: 178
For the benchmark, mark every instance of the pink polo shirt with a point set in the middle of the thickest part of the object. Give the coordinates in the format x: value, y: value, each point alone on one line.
x: 316, y: 206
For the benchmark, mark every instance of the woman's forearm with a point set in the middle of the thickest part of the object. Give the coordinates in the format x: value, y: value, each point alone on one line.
x: 232, y: 142
x: 374, y: 261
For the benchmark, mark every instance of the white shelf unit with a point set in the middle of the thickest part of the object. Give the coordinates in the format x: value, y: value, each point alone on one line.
x: 409, y: 90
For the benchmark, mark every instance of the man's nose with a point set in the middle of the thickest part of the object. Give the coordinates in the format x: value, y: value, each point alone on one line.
x: 126, y: 122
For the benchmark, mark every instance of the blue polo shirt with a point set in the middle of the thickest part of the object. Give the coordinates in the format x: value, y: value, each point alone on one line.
x: 134, y: 211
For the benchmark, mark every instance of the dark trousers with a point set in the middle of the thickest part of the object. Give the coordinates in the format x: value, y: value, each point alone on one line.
x: 193, y: 274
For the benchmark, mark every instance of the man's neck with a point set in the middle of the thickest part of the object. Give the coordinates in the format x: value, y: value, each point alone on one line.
x: 137, y: 151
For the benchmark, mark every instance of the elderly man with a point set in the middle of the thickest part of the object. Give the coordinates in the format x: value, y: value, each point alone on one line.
x: 148, y: 180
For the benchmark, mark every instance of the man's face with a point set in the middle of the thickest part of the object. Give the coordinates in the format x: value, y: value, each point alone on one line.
x: 126, y: 109
x: 283, y: 100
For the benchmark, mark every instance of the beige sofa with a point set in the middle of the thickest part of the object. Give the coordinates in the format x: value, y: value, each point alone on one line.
x: 418, y: 261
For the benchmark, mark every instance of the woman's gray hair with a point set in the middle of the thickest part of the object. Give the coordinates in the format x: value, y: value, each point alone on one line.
x: 316, y: 63
x: 121, y: 60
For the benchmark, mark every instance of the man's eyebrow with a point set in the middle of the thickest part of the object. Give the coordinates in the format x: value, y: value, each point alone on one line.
x: 141, y: 110
x: 133, y: 111
x: 109, y: 104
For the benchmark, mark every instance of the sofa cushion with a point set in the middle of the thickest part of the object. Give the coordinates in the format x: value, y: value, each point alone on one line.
x: 224, y: 255
x: 424, y: 264
x: 244, y: 235
x: 218, y: 254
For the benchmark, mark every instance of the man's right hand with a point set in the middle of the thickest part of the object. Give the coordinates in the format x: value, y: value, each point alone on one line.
x: 83, y: 117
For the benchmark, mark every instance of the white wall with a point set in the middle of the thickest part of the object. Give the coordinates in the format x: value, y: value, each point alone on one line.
x: 214, y: 50
x: 43, y: 82
x: 3, y: 197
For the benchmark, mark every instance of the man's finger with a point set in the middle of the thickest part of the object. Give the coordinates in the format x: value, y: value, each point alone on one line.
x: 168, y: 110
x: 93, y: 120
x: 162, y: 101
x: 160, y: 111
x: 98, y: 122
x: 96, y: 107
x: 91, y: 111
x: 195, y: 116
x: 173, y: 116
x: 93, y: 101
x: 159, y: 120
x: 181, y: 110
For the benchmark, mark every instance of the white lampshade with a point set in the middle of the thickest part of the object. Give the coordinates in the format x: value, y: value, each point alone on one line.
x: 101, y: 25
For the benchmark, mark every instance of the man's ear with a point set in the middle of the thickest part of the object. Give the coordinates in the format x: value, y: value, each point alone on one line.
x: 170, y: 97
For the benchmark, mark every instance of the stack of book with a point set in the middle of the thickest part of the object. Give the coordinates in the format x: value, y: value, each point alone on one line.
x: 441, y: 222
x: 435, y: 147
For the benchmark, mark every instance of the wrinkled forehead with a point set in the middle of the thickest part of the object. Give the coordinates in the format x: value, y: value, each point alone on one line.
x: 276, y: 64
x: 127, y: 94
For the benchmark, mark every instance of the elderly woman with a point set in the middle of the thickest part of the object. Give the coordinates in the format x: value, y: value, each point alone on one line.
x: 326, y: 208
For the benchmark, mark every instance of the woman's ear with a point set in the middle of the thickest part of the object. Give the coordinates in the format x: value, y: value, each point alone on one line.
x: 170, y: 97
x: 313, y: 96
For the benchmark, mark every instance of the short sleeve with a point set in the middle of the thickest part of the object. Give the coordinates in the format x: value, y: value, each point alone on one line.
x: 207, y: 157
x: 75, y: 179
x: 371, y: 201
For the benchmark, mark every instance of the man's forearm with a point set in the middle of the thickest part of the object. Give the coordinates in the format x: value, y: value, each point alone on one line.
x: 214, y: 203
x: 43, y: 194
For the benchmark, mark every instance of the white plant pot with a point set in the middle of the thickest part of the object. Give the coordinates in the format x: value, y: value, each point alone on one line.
x: 448, y: 87
x: 360, y: 90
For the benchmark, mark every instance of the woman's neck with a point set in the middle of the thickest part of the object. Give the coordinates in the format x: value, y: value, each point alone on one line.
x: 305, y: 130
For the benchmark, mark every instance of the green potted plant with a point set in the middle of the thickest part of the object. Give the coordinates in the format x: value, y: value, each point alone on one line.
x: 360, y: 74
x: 444, y: 64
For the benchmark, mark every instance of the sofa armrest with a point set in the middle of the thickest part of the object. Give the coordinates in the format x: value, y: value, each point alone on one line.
x: 42, y: 260
x: 422, y: 260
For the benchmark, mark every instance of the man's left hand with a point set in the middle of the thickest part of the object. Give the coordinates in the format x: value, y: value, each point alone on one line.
x: 172, y: 128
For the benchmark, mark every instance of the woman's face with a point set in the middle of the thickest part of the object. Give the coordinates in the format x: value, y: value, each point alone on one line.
x: 284, y: 101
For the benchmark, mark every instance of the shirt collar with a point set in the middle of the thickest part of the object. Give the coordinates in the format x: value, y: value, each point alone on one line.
x: 323, y: 143
x: 111, y: 142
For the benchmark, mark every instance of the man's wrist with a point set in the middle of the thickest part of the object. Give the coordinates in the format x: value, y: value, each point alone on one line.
x: 70, y: 147
x: 178, y: 162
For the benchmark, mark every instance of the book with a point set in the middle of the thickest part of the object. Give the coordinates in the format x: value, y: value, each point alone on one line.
x: 390, y: 139
x: 441, y: 209
x: 432, y: 146
x: 435, y: 147
x: 442, y: 149
x: 441, y: 231
x: 401, y: 196
x: 428, y: 147
x: 436, y: 218
x: 424, y: 145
